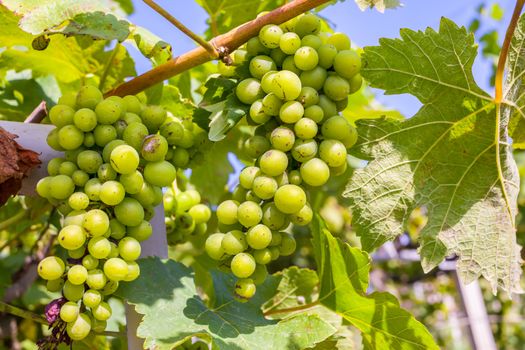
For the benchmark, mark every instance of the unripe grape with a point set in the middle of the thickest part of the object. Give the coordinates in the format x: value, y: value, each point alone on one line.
x: 243, y: 265
x: 249, y: 90
x: 288, y: 245
x: 133, y: 271
x: 333, y: 152
x: 172, y: 131
x: 247, y: 176
x: 104, y: 134
x: 295, y: 177
x: 249, y: 214
x: 312, y: 41
x: 54, y: 286
x: 336, y: 88
x: 305, y: 128
x: 71, y: 237
x: 79, y: 328
x: 96, y: 222
x: 303, y: 217
x: 355, y: 83
x: 124, y: 159
x: 77, y: 274
x: 141, y: 232
x: 61, y: 186
x: 306, y: 58
x: 273, y: 217
x: 304, y: 150
x: 259, y: 236
x: 262, y: 256
x: 327, y: 53
x: 134, y: 134
x: 132, y: 182
x: 256, y: 145
x: 89, y: 262
x: 273, y: 162
x: 72, y: 291
x: 99, y: 247
x: 112, y: 193
x: 213, y: 246
x: 264, y: 187
x: 161, y: 173
x: 92, y: 298
x: 115, y: 269
x: 92, y: 189
x: 270, y: 35
x: 245, y: 288
x: 286, y: 85
x: 61, y: 115
x: 129, y: 212
x: 289, y: 199
x: 314, y: 78
x: 271, y: 104
x: 200, y: 213
x: 289, y: 65
x: 154, y: 148
x: 336, y: 127
x: 259, y: 275
x: 308, y: 97
x: 234, y: 242
x: 260, y: 65
x: 289, y: 43
x: 89, y: 161
x: 88, y: 97
x: 257, y: 114
x: 315, y: 172
x: 307, y: 24
x: 108, y: 111
x: 69, y: 311
x: 129, y: 248
x: 255, y: 47
x: 180, y: 157
x: 340, y: 40
x: 133, y: 104
x: 106, y: 172
x: 153, y: 117
x: 51, y: 268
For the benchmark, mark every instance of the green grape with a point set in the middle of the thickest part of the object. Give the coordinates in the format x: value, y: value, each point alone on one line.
x: 161, y: 173
x: 307, y: 24
x: 286, y: 85
x: 43, y: 187
x: 257, y: 114
x: 336, y: 127
x: 133, y: 271
x: 350, y: 139
x: 289, y: 65
x: 61, y: 187
x: 115, y: 269
x: 249, y: 214
x: 75, y: 217
x: 273, y: 162
x: 85, y: 119
x: 79, y: 328
x: 77, y: 274
x: 187, y: 140
x: 329, y: 107
x: 234, y: 242
x: 336, y: 88
x: 282, y: 138
x: 315, y: 172
x: 153, y: 117
x: 254, y: 47
x: 252, y: 197
x: 154, y: 148
x: 173, y: 132
x: 271, y: 104
x: 259, y: 236
x: 312, y: 41
x: 347, y: 63
x: 129, y: 212
x: 77, y: 253
x: 109, y: 147
x: 91, y: 298
x: 259, y: 275
x: 68, y: 99
x: 289, y: 43
x: 245, y: 289
x: 291, y: 112
x: 355, y: 83
x: 114, y: 250
x: 327, y: 53
x: 295, y: 177
x: 96, y: 222
x: 194, y: 195
x: 112, y: 192
x: 270, y: 36
x: 342, y: 104
x: 89, y: 262
x: 92, y: 189
x: 249, y: 90
x: 117, y: 229
x: 243, y: 265
x: 89, y: 161
x: 53, y: 166
x: 132, y: 182
x: 278, y: 56
x: 52, y: 140
x: 104, y: 134
x: 289, y: 26
x: 264, y: 186
x: 54, y: 286
x: 282, y: 179
x: 226, y: 70
x: 289, y: 199
x: 79, y: 178
x: 262, y: 256
x: 288, y: 245
x: 51, y: 268
x: 239, y: 193
x: 96, y: 279
x: 227, y: 212
x: 340, y: 40
x: 70, y: 137
x: 106, y: 172
x: 277, y: 238
x: 305, y: 128
x: 88, y: 97
x: 308, y: 97
x: 98, y: 326
x: 131, y: 118
x: 273, y: 217
x: 102, y: 311
x: 110, y: 287
x: 61, y: 115
x: 180, y: 158
x: 72, y: 237
x: 239, y: 56
x: 333, y: 152
x: 185, y: 224
x: 260, y: 65
x: 133, y: 104
x: 256, y: 145
x: 63, y: 208
x: 108, y: 111
x: 124, y: 159
x: 129, y: 248
x: 314, y: 78
x: 134, y: 134
x: 73, y: 292
x: 247, y: 176
x: 67, y: 168
x: 69, y: 311
x: 99, y: 247
x: 306, y: 58
x: 200, y: 213
x: 303, y: 217
x: 213, y: 246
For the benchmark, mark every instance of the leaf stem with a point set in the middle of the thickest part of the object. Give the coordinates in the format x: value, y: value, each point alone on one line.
x: 206, y: 45
x: 13, y: 219
x: 505, y: 50
x: 291, y: 309
x: 107, y: 67
x: 13, y: 310
x: 225, y: 43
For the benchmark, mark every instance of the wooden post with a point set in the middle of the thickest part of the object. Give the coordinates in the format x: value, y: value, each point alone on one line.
x: 33, y: 137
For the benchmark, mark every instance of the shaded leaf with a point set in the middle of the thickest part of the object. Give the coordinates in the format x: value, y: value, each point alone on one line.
x: 296, y: 287
x: 151, y: 46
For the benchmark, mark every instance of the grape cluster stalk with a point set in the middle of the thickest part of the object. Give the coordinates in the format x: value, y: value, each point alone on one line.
x: 118, y: 154
x: 295, y: 79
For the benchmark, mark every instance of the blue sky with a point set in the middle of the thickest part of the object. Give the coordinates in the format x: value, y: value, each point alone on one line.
x: 364, y: 28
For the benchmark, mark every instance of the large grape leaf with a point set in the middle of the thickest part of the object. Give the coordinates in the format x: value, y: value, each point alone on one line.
x: 452, y: 157
x: 514, y: 86
x: 166, y: 295
x: 343, y: 273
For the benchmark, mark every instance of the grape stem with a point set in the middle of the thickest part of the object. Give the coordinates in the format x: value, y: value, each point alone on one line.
x: 226, y: 43
x: 206, y: 45
x: 505, y: 50
x: 37, y: 114
x: 291, y: 309
x: 12, y: 220
x: 13, y: 310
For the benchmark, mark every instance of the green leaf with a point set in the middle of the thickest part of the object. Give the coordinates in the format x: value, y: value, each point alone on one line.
x: 11, y: 34
x: 116, y: 65
x: 379, y: 5
x: 166, y: 295
x: 452, y: 158
x: 151, y: 46
x: 343, y: 272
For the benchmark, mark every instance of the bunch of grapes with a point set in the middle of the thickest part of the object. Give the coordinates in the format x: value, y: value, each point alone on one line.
x: 106, y: 186
x: 185, y: 215
x: 299, y: 80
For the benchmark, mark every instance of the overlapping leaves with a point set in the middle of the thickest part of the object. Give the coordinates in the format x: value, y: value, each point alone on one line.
x: 452, y: 158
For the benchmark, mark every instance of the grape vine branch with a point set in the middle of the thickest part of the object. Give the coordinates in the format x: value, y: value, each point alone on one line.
x: 226, y: 43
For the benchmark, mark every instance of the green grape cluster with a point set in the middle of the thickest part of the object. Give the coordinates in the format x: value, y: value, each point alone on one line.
x: 117, y: 154
x: 299, y: 80
x: 185, y: 215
